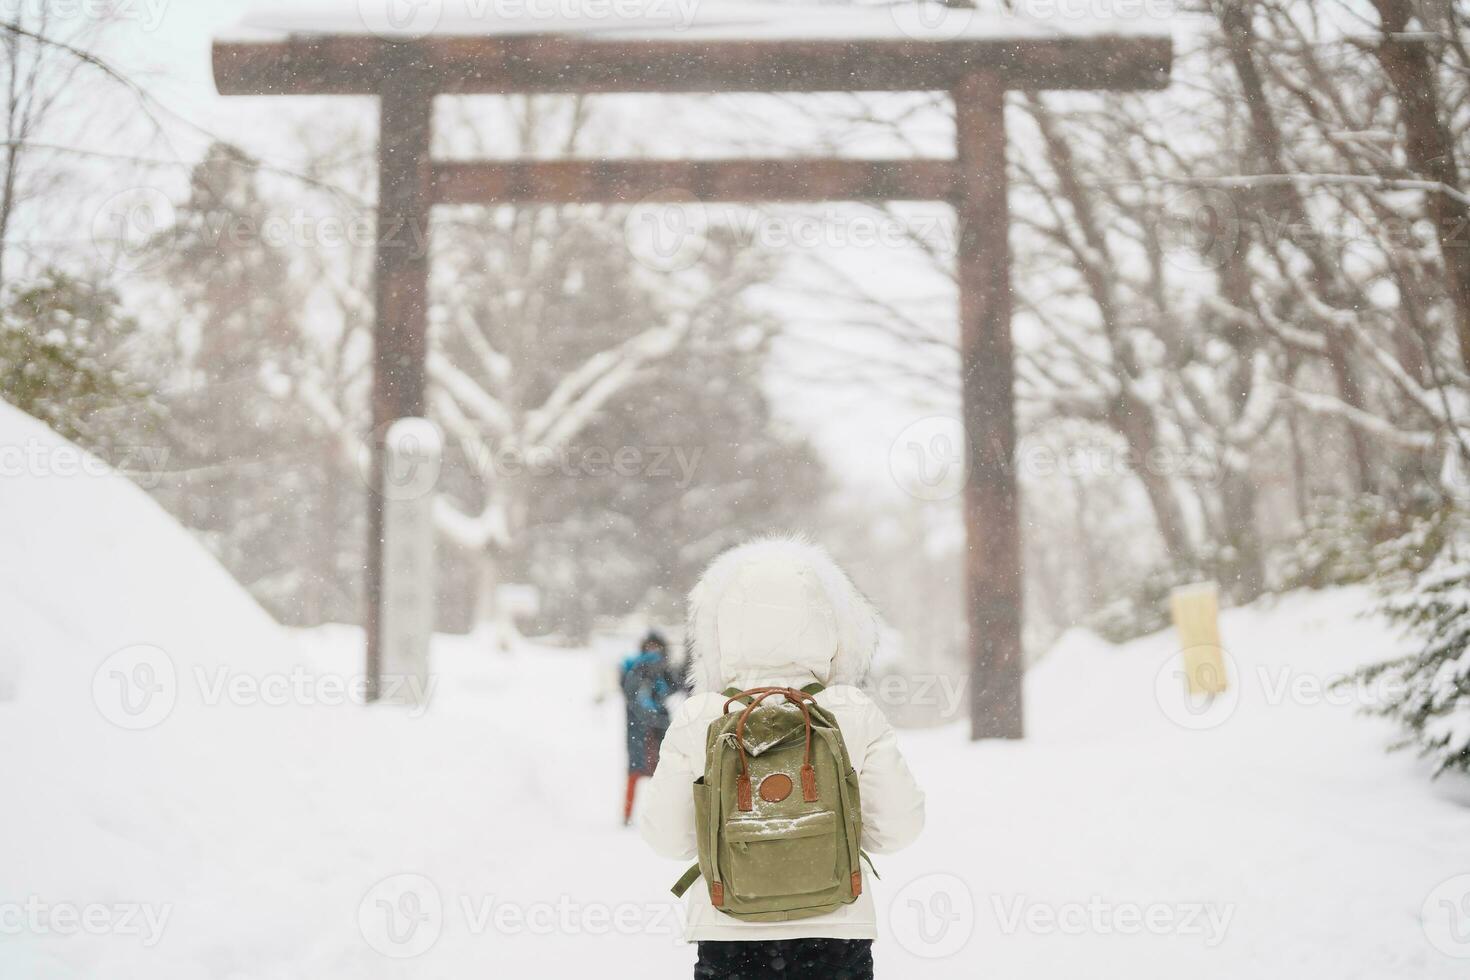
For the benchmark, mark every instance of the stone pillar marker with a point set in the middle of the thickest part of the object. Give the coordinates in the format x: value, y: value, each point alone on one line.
x: 412, y: 455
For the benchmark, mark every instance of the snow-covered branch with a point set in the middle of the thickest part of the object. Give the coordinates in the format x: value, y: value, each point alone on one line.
x: 580, y: 394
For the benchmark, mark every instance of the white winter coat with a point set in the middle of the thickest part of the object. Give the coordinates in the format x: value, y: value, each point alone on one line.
x: 779, y: 612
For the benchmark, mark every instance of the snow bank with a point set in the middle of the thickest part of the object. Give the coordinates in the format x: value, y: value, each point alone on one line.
x: 1275, y: 811
x: 92, y: 565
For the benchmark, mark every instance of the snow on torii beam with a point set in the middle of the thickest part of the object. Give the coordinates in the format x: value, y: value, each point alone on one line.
x: 834, y: 49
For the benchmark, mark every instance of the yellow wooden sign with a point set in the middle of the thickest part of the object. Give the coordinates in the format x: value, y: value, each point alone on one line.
x: 1196, y: 612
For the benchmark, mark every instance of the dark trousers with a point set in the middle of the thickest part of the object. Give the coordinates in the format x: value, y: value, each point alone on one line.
x: 786, y: 959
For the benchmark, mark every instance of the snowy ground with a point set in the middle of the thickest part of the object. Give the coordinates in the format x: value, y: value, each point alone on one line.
x: 195, y: 808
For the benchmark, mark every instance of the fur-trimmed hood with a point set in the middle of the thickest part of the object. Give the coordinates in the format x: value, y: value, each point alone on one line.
x: 778, y: 608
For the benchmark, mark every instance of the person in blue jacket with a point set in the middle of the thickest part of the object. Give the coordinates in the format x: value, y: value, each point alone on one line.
x: 647, y: 680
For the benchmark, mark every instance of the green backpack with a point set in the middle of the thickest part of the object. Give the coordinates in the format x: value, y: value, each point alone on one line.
x: 777, y: 810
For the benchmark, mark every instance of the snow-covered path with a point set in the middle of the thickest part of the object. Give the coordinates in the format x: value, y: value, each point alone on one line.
x: 211, y: 804
x: 326, y: 841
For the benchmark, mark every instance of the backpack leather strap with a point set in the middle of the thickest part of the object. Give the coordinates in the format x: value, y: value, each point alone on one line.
x: 744, y: 697
x: 743, y: 794
x: 735, y: 694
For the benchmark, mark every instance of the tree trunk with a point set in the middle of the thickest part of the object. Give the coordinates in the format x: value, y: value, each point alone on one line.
x: 321, y: 583
x: 1136, y: 424
x: 1241, y: 529
x: 492, y: 618
x: 1430, y: 150
x: 1247, y: 564
x: 487, y: 588
x: 1300, y: 485
x: 1091, y: 574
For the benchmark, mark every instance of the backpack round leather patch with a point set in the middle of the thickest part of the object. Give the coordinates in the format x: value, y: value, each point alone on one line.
x: 775, y: 787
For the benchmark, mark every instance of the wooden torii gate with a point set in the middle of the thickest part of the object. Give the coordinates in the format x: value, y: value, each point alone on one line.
x: 851, y: 50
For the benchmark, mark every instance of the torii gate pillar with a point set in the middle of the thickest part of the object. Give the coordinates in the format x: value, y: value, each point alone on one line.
x: 992, y: 496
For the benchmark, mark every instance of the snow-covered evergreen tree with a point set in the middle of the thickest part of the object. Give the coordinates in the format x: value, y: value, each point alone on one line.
x: 248, y: 467
x: 63, y: 359
x: 1428, y: 691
